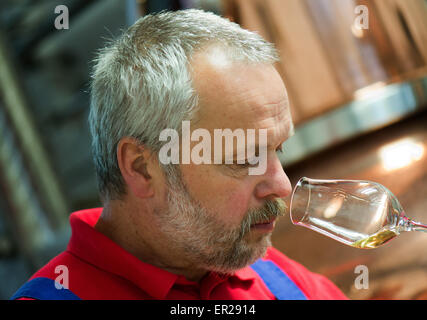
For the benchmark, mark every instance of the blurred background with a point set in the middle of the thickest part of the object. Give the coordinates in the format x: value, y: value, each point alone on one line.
x: 356, y: 74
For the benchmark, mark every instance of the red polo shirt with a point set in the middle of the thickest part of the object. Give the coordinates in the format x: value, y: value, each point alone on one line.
x: 98, y: 268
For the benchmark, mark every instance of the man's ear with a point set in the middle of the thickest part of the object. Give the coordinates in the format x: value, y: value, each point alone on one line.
x: 135, y: 166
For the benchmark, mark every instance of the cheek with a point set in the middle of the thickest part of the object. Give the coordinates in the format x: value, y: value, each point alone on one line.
x: 236, y: 205
x: 229, y: 198
x: 228, y: 205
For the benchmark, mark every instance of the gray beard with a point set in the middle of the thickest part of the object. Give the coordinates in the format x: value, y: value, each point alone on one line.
x: 208, y: 242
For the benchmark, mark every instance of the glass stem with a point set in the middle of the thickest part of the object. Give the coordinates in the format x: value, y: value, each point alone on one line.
x: 417, y: 226
x: 411, y: 225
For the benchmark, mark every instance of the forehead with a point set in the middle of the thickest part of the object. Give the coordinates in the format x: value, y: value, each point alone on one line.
x: 239, y: 95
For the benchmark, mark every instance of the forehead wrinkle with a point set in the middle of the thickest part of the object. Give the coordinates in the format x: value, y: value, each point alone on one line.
x: 270, y: 114
x: 279, y: 127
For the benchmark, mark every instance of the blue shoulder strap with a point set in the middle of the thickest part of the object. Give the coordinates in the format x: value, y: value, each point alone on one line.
x: 277, y: 281
x: 44, y: 289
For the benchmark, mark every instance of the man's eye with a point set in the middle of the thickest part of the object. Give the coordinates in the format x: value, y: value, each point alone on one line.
x: 247, y: 164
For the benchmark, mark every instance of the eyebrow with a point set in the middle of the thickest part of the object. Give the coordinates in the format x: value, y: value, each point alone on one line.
x: 291, y: 132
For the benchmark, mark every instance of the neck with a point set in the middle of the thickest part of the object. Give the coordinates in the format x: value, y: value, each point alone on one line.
x: 133, y: 230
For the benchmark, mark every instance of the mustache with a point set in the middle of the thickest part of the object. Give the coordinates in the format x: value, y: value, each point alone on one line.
x: 271, y: 209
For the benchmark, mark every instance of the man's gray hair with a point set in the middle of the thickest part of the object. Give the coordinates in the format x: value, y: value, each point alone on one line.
x: 142, y: 82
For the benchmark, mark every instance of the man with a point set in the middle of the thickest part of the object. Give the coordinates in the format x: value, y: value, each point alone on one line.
x: 188, y: 230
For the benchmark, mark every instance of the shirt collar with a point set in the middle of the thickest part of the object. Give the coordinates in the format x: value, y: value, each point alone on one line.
x: 245, y: 274
x: 95, y: 248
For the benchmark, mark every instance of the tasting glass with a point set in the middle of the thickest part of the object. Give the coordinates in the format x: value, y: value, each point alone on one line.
x: 358, y: 213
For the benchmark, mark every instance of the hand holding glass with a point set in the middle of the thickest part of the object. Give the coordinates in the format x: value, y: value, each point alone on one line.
x: 362, y: 214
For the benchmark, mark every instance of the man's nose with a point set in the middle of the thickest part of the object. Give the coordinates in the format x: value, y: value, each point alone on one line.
x: 275, y: 183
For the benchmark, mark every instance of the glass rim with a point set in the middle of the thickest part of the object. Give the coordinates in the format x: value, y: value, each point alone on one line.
x: 297, y: 185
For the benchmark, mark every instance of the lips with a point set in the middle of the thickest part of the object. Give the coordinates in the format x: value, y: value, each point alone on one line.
x: 265, y: 226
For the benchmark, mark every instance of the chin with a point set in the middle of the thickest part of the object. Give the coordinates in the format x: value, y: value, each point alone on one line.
x: 244, y: 256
